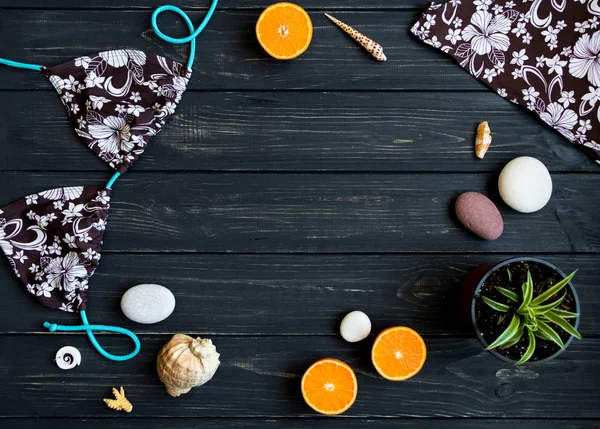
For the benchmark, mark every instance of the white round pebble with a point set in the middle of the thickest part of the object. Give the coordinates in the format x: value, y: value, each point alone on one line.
x: 356, y: 326
x: 148, y: 303
x: 525, y: 184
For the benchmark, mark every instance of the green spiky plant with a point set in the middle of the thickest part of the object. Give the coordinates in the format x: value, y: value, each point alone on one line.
x: 532, y: 316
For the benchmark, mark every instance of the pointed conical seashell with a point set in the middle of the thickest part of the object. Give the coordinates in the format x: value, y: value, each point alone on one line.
x: 374, y: 49
x: 483, y: 140
x: 185, y: 362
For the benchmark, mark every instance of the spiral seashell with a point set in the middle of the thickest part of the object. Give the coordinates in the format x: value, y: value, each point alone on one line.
x: 374, y: 48
x: 67, y: 358
x: 185, y: 362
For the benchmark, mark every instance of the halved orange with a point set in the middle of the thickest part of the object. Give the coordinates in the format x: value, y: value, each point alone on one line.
x: 284, y: 30
x: 398, y: 353
x: 329, y: 386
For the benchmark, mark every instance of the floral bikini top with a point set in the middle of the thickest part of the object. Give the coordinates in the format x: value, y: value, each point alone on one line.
x: 116, y: 102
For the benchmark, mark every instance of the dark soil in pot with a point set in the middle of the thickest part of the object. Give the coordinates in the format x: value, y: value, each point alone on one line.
x: 487, y: 318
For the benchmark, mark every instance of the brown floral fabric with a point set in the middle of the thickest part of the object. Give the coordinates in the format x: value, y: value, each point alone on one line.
x: 53, y: 241
x: 541, y: 54
x: 118, y: 100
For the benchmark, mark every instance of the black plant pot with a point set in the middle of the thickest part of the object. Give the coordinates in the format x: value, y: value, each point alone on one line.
x: 472, y: 286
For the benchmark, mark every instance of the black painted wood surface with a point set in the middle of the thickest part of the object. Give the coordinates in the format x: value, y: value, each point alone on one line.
x: 299, y: 131
x: 281, y: 196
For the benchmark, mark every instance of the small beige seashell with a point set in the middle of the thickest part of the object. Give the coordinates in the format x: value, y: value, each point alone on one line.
x: 374, y: 49
x: 185, y: 362
x: 483, y: 140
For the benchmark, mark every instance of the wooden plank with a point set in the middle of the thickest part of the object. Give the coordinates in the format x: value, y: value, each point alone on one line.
x: 289, y: 294
x: 223, y: 5
x: 260, y: 377
x: 299, y: 131
x: 228, y: 55
x: 360, y: 213
x: 315, y: 423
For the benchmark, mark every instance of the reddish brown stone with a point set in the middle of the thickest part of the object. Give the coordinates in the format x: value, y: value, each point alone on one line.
x: 479, y: 214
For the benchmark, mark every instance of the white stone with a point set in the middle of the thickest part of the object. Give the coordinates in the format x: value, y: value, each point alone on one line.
x: 356, y: 326
x: 525, y: 184
x: 148, y: 303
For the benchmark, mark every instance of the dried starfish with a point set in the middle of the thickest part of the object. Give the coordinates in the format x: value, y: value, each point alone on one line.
x: 374, y: 48
x: 121, y: 402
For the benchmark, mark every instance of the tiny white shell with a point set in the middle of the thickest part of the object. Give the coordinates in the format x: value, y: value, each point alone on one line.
x: 68, y: 357
x: 356, y: 326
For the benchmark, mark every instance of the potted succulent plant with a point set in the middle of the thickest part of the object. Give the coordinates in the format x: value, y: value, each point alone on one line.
x: 525, y: 309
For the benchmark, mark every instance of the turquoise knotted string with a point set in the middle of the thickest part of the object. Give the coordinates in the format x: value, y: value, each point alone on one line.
x: 53, y: 327
x: 112, y: 180
x: 19, y: 65
x: 194, y: 32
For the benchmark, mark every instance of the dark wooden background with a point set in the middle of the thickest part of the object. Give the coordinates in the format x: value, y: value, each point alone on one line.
x: 281, y: 196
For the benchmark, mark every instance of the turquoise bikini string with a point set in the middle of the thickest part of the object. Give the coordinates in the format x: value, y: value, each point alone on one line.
x: 53, y: 327
x: 112, y: 180
x: 194, y: 31
x: 19, y: 65
x: 191, y: 38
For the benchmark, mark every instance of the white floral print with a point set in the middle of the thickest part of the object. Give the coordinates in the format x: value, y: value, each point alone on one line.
x: 112, y: 97
x: 453, y: 35
x: 581, y: 27
x: 482, y: 4
x: 567, y: 98
x: 103, y: 197
x: 490, y: 74
x: 66, y: 307
x: 70, y: 83
x: 120, y: 58
x: 92, y: 80
x: 487, y: 32
x: 519, y: 57
x: 83, y: 62
x: 551, y: 50
x: 135, y: 110
x: 585, y: 60
x: 555, y: 65
x: 112, y: 135
x: 19, y: 256
x: 70, y: 240
x: 55, y: 263
x: 530, y: 94
x: 63, y: 194
x: 560, y: 118
x: 5, y: 245
x: 98, y: 102
x: 66, y: 273
x: 429, y: 21
x: 44, y: 290
x: 72, y: 213
x: 584, y: 126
